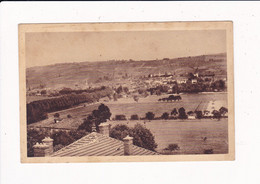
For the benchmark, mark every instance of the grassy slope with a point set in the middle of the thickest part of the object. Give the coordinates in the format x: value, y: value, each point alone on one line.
x: 68, y: 74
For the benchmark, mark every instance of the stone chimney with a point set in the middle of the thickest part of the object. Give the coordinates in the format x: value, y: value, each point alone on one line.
x: 48, y: 141
x: 93, y: 127
x: 40, y: 150
x: 128, y: 145
x: 104, y: 129
x: 44, y: 149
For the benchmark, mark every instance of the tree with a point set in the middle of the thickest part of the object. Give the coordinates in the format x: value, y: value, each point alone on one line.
x: 174, y: 112
x: 120, y: 117
x: 149, y: 115
x: 199, y: 114
x: 182, y: 113
x: 43, y: 92
x: 56, y: 115
x: 165, y: 115
x: 134, y: 117
x: 69, y: 116
x: 119, y: 132
x: 172, y: 147
x: 98, y: 116
x: 136, y: 98
x: 142, y: 136
x: 223, y: 111
x: 216, y: 114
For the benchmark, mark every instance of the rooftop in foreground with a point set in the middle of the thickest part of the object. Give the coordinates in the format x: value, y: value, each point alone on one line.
x: 96, y: 144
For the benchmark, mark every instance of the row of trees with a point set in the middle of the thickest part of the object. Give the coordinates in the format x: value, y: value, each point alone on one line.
x: 37, y: 110
x: 66, y: 91
x: 176, y: 114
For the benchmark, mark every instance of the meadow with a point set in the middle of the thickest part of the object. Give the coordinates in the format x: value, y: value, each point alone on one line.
x: 190, y: 102
x: 190, y: 135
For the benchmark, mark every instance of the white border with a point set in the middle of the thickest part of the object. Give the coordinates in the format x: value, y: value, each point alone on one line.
x: 245, y: 16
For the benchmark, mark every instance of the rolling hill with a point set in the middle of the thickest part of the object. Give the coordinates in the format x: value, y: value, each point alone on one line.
x: 78, y: 75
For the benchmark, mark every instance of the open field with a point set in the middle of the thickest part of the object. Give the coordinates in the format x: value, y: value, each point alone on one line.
x: 190, y: 102
x: 128, y: 106
x: 188, y: 134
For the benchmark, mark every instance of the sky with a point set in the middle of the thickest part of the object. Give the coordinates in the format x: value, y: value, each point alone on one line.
x: 67, y: 47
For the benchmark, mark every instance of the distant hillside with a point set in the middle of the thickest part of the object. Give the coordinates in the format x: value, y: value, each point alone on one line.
x: 80, y: 75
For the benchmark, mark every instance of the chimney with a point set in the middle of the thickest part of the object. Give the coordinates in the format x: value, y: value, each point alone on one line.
x: 44, y: 149
x: 128, y: 145
x: 104, y: 129
x: 93, y: 127
x: 48, y: 141
x: 40, y: 150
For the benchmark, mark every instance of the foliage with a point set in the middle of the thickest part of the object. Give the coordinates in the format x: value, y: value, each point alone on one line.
x: 60, y: 139
x: 182, y: 113
x: 37, y: 110
x: 120, y: 117
x: 174, y: 112
x: 56, y: 115
x: 69, y: 116
x: 98, y: 116
x: 134, y: 117
x: 149, y: 115
x: 136, y: 98
x: 223, y: 110
x: 172, y: 147
x: 120, y: 132
x: 165, y: 115
x: 216, y: 114
x: 142, y: 136
x: 208, y: 151
x: 199, y: 114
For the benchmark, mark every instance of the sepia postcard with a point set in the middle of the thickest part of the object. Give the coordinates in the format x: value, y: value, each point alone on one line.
x: 126, y: 92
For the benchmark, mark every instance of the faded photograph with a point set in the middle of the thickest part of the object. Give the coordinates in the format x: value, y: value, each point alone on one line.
x: 126, y: 93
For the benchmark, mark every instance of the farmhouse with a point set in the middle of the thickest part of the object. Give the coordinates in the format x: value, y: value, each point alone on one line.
x: 93, y: 144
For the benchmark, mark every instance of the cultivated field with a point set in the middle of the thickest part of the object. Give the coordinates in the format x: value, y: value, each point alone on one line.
x: 190, y: 102
x: 189, y: 134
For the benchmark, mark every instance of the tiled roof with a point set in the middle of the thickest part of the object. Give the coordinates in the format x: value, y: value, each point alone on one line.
x: 95, y: 144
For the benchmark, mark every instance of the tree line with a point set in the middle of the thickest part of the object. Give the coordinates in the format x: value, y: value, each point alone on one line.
x: 37, y: 110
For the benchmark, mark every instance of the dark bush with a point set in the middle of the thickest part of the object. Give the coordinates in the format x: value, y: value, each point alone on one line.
x: 149, y: 115
x: 208, y: 151
x: 56, y: 115
x: 142, y: 136
x: 172, y: 147
x: 134, y: 117
x: 120, y: 117
x: 69, y: 116
x: 165, y: 115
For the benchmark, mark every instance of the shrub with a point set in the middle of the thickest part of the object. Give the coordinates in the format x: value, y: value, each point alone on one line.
x: 56, y: 115
x: 165, y: 115
x: 199, y: 114
x: 134, y: 117
x: 69, y: 116
x: 120, y: 117
x: 172, y: 147
x: 208, y: 151
x: 142, y: 136
x: 149, y: 115
x: 182, y: 113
